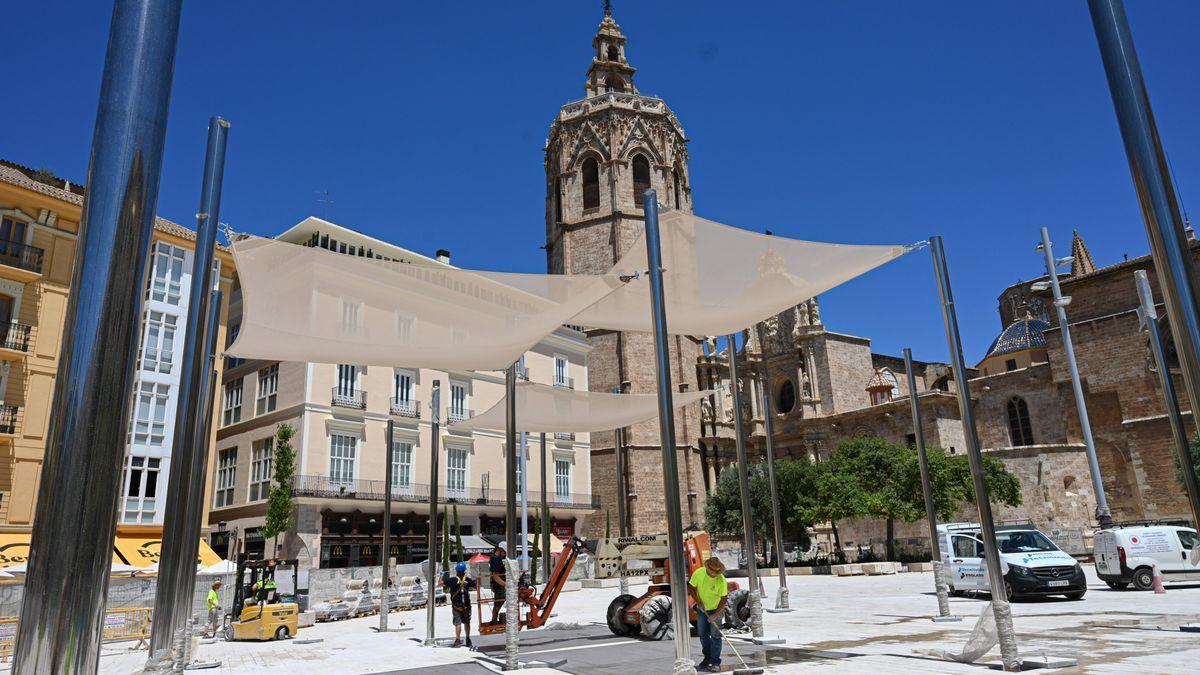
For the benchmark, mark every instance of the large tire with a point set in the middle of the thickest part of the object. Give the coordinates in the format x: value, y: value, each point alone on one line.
x: 1143, y: 579
x: 737, y: 608
x: 1118, y: 585
x: 616, y: 617
x: 656, y: 619
x: 282, y: 633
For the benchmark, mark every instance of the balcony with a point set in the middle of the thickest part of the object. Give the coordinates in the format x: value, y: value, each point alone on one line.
x: 15, y: 341
x: 523, y: 374
x: 564, y: 436
x: 418, y: 493
x: 9, y: 416
x: 405, y: 408
x: 19, y: 261
x: 565, y: 383
x: 349, y: 399
x: 458, y: 415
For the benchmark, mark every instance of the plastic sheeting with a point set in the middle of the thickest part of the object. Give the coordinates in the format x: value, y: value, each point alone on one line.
x: 307, y: 304
x: 546, y: 409
x: 720, y: 280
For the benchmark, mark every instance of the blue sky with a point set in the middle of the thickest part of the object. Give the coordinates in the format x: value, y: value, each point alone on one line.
x: 865, y: 122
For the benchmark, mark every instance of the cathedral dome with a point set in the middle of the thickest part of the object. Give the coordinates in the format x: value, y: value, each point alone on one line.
x: 1021, y: 335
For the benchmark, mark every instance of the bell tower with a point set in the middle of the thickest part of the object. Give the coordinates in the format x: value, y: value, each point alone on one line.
x: 602, y: 153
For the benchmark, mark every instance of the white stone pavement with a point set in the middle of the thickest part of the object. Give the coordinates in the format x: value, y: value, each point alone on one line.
x: 883, y: 621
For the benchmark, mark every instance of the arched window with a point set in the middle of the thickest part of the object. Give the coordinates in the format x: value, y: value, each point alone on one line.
x: 785, y: 399
x: 641, y: 178
x: 1018, y: 422
x: 557, y: 197
x: 678, y: 188
x: 614, y: 83
x: 591, y: 183
x: 613, y: 53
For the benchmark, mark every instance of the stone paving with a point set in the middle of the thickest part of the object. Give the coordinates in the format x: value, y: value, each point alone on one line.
x: 874, y: 624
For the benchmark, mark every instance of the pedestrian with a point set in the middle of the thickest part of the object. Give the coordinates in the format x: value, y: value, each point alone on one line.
x: 499, y: 577
x: 459, y: 588
x: 214, y: 608
x: 708, y: 591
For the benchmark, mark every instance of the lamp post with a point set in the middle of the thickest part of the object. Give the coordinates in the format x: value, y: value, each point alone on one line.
x: 1103, y: 515
x: 435, y: 417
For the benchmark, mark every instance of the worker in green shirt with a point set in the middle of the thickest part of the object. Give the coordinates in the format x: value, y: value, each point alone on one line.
x: 708, y: 591
x: 214, y: 607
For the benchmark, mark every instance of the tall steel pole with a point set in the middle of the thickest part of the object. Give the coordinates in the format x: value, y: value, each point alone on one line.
x: 524, y: 487
x: 744, y: 483
x: 1103, y: 515
x: 389, y: 445
x: 939, y: 582
x: 666, y: 427
x: 189, y: 452
x: 781, y: 601
x: 622, y: 491
x: 435, y: 412
x: 1173, y: 262
x: 1000, y: 606
x: 1149, y: 317
x: 511, y: 573
x: 545, y: 517
x: 62, y: 611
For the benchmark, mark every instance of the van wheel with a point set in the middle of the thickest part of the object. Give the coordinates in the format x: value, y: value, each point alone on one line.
x: 1008, y: 591
x: 1143, y: 579
x: 1118, y: 585
x: 282, y: 633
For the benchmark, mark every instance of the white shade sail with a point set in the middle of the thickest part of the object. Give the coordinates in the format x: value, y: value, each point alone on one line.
x: 542, y: 408
x: 302, y: 303
x: 719, y: 280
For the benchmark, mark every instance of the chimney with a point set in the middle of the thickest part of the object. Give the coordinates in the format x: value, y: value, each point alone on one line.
x: 443, y: 256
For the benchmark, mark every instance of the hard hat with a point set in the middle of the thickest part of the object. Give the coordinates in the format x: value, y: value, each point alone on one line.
x: 503, y: 545
x: 461, y: 567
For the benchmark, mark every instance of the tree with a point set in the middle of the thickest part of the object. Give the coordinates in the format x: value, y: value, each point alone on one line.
x: 607, y: 524
x: 1194, y: 451
x: 723, y: 512
x: 458, y: 537
x: 280, y: 509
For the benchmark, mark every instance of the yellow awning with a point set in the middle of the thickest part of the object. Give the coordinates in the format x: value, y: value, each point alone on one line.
x: 144, y: 551
x: 14, y: 550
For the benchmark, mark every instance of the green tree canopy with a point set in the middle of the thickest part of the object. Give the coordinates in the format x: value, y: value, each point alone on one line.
x: 280, y: 510
x: 723, y: 512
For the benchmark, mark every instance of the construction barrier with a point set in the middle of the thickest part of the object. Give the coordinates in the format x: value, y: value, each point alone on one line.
x: 127, y: 623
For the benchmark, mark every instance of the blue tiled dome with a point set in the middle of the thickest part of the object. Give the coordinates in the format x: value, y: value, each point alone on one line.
x: 1022, y: 334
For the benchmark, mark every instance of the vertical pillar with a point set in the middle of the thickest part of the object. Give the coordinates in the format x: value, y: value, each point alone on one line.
x: 666, y: 425
x: 435, y: 416
x: 387, y: 525
x: 1000, y: 607
x: 511, y: 571
x: 744, y: 483
x: 781, y: 601
x: 545, y: 516
x: 524, y: 487
x: 70, y: 551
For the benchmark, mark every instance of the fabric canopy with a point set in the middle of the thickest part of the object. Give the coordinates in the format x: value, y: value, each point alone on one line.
x: 302, y: 303
x: 719, y: 280
x: 542, y: 408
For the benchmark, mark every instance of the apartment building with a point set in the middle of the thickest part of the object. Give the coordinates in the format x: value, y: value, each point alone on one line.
x: 39, y: 222
x: 340, y: 414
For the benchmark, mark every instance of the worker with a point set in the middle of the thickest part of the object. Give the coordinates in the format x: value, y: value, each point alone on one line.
x: 214, y: 608
x: 459, y: 588
x: 265, y: 589
x: 499, y: 574
x: 708, y: 592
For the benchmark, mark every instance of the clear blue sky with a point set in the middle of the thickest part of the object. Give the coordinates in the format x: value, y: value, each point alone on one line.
x: 872, y: 122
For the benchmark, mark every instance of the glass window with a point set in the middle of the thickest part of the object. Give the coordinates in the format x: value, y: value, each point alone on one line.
x: 347, y: 382
x: 403, y: 386
x: 342, y: 449
x: 158, y: 349
x: 1023, y: 541
x: 458, y: 399
x: 1187, y: 539
x: 149, y: 423
x: 967, y: 547
x: 141, y: 489
x: 402, y: 465
x: 560, y: 370
x: 12, y: 231
x: 591, y: 183
x: 456, y: 471
x: 233, y: 403
x: 167, y: 278
x: 562, y: 478
x: 226, y: 477
x: 262, y: 466
x: 268, y: 389
x: 641, y: 179
x: 1018, y: 422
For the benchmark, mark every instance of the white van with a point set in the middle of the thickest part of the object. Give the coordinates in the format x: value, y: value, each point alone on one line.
x: 1031, y: 563
x: 1125, y: 555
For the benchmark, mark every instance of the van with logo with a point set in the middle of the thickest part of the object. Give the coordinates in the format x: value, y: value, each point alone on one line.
x: 1127, y: 554
x: 1032, y: 564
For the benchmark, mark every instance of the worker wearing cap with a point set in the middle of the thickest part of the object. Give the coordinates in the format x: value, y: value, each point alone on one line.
x: 708, y: 592
x: 459, y: 589
x: 214, y: 607
x: 499, y: 574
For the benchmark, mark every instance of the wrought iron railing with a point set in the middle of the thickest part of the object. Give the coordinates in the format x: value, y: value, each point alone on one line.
x: 565, y: 383
x: 402, y: 407
x: 564, y: 436
x: 350, y: 399
x: 16, y: 254
x: 16, y: 336
x: 458, y: 415
x: 9, y: 416
x: 373, y: 490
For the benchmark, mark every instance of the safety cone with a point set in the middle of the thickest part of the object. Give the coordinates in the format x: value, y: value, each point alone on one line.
x: 1158, y: 584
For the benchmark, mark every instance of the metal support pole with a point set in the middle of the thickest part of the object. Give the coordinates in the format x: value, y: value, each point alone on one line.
x: 622, y: 491
x: 1103, y: 515
x: 435, y: 412
x: 524, y: 487
x: 384, y: 597
x: 744, y: 484
x: 545, y: 517
x: 1149, y: 317
x: 511, y: 609
x: 62, y: 611
x: 1173, y: 262
x: 666, y: 425
x: 1000, y: 607
x: 189, y: 452
x: 781, y: 601
x: 926, y: 488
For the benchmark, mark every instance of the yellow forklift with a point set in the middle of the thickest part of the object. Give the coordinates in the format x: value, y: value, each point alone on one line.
x: 259, y: 611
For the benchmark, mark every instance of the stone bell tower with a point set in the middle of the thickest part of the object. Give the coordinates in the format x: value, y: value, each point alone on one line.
x: 602, y: 153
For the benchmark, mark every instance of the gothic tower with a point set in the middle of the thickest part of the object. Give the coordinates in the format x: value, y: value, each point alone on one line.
x: 602, y: 153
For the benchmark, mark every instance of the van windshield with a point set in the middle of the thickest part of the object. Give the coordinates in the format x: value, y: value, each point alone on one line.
x: 1025, y: 541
